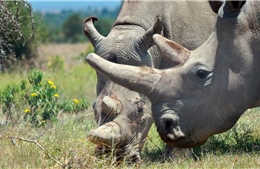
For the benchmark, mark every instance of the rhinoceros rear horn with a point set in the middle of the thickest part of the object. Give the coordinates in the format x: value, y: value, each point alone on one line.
x: 90, y: 30
x: 147, y: 39
x: 171, y: 51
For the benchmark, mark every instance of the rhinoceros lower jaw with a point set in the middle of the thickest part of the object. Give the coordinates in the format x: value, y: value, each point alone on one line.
x: 179, y: 141
x: 108, y: 134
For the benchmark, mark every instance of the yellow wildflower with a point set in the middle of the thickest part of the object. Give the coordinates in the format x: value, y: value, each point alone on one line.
x: 50, y: 82
x: 49, y: 64
x: 34, y: 94
x: 53, y: 86
x: 76, y: 101
x: 26, y: 110
x: 56, y: 95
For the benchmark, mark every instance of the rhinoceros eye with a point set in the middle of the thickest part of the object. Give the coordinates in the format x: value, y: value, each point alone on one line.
x: 202, y: 74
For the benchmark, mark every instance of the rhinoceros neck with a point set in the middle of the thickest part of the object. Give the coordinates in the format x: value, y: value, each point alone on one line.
x: 186, y: 22
x: 140, y: 13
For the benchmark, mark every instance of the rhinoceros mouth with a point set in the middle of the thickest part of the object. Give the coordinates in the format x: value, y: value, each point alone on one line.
x: 181, y: 142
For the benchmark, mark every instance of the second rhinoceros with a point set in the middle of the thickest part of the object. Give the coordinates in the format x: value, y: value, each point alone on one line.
x: 124, y: 116
x: 211, y: 86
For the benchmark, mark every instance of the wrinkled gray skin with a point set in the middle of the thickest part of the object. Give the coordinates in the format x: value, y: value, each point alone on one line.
x: 210, y: 88
x: 124, y: 116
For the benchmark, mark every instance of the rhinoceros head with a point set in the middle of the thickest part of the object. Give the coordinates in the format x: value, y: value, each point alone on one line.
x: 123, y: 116
x: 209, y: 88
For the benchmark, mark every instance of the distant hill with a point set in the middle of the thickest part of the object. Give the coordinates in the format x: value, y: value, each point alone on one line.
x: 59, y: 5
x: 53, y: 18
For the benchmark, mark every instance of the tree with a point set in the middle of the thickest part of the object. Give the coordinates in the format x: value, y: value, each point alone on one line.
x: 103, y: 25
x: 13, y: 31
x: 72, y: 28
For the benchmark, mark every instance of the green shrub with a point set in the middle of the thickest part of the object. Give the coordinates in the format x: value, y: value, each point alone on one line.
x: 89, y: 49
x: 37, y: 100
x: 56, y: 63
x: 73, y: 107
x: 7, y: 97
x: 20, y: 34
x: 238, y: 139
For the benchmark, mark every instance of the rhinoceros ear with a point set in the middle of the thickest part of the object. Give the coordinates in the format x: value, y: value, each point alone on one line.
x: 171, y: 51
x: 90, y: 31
x: 146, y: 40
x: 215, y: 5
x: 233, y: 7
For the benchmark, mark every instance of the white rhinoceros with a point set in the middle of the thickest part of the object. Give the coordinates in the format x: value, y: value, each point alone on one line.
x: 124, y: 116
x: 211, y: 86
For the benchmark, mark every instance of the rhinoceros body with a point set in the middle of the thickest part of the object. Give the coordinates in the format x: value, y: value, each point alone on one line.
x: 210, y: 87
x: 124, y: 116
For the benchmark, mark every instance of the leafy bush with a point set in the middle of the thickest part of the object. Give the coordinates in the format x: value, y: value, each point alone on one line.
x: 36, y: 101
x: 11, y: 28
x: 89, y: 49
x: 239, y: 139
x: 72, y: 29
x: 20, y: 33
x: 55, y: 63
x: 73, y: 107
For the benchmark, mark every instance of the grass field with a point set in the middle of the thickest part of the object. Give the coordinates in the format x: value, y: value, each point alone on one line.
x: 64, y: 143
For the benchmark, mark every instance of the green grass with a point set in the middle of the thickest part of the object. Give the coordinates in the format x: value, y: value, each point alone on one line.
x: 77, y: 82
x: 66, y: 140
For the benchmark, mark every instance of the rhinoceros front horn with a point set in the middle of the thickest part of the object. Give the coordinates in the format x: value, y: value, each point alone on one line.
x: 108, y: 134
x: 141, y: 79
x: 90, y: 30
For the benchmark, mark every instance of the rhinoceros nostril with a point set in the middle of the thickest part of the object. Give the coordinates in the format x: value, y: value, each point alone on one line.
x: 168, y: 125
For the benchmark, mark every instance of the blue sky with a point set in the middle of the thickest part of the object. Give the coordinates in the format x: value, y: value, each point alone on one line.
x: 58, y: 5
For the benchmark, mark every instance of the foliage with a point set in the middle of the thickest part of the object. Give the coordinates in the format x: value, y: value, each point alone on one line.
x: 20, y: 33
x: 89, y: 49
x: 103, y: 25
x: 66, y: 141
x: 55, y: 63
x: 66, y: 26
x: 13, y: 31
x: 7, y: 97
x: 36, y: 100
x: 74, y: 107
x: 72, y: 28
x: 239, y: 139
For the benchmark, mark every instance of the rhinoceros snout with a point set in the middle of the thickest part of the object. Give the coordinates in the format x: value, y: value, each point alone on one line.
x: 169, y: 128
